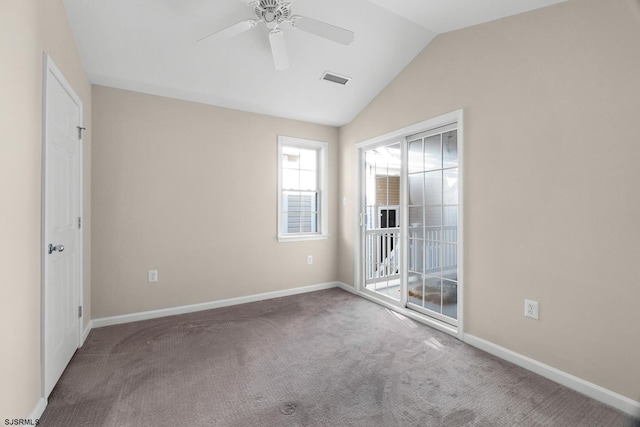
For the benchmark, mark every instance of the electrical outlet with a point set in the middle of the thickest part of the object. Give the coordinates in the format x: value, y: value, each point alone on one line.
x: 531, y: 309
x: 152, y: 276
x: 310, y: 259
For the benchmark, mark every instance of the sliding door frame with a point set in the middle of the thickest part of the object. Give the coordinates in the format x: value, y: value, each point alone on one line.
x: 400, y: 135
x: 361, y: 220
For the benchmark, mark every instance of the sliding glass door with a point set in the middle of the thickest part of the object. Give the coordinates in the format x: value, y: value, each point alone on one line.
x: 381, y: 220
x: 432, y: 251
x: 410, y: 220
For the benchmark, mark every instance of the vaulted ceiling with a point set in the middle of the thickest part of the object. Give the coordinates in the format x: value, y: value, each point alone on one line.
x: 150, y: 46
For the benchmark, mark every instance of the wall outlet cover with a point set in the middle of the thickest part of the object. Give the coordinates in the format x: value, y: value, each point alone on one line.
x: 152, y: 276
x: 531, y: 309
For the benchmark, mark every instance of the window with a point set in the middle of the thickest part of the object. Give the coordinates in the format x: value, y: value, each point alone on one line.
x: 302, y: 189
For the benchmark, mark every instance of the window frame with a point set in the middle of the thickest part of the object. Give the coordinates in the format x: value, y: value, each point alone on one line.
x: 322, y: 149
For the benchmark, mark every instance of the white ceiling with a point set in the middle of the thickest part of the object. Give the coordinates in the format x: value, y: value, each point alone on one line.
x: 149, y: 46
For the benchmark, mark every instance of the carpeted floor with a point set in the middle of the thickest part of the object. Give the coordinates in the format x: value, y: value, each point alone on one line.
x: 326, y: 358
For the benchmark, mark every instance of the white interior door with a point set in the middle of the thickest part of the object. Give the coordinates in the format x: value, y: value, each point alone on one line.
x: 62, y: 225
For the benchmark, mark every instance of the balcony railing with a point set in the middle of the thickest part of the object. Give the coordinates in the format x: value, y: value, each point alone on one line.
x: 433, y: 249
x: 382, y: 249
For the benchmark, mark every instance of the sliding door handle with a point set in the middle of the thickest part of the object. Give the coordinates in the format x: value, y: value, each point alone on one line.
x: 56, y: 248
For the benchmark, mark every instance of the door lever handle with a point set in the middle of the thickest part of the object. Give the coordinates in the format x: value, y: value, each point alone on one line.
x: 56, y: 248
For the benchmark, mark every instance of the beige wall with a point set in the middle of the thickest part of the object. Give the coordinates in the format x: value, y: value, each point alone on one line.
x: 27, y: 28
x: 20, y: 213
x: 189, y: 190
x: 552, y: 187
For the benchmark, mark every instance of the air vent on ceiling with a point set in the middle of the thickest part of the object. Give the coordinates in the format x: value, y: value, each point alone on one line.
x: 335, y: 78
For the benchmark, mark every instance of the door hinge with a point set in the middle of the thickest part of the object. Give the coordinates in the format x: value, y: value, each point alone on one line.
x: 80, y: 129
x: 79, y: 311
x: 79, y: 222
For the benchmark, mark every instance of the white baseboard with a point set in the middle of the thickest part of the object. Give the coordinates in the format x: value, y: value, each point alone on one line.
x: 134, y: 317
x: 38, y: 410
x: 346, y: 287
x: 85, y: 334
x: 587, y: 388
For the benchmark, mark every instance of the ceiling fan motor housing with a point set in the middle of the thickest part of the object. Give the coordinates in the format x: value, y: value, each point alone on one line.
x: 272, y: 12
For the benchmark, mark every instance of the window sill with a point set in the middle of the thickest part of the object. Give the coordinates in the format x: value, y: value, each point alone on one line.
x: 302, y: 238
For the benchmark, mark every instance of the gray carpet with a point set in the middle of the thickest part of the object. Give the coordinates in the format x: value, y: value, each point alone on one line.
x: 326, y: 358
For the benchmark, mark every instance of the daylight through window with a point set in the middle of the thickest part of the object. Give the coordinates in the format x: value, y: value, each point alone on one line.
x: 302, y: 192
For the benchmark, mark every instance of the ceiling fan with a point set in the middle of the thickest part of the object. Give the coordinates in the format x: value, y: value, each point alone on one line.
x: 276, y: 13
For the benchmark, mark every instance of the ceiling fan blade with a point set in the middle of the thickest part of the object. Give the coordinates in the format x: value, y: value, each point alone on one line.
x: 278, y: 49
x: 227, y: 33
x: 322, y: 29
